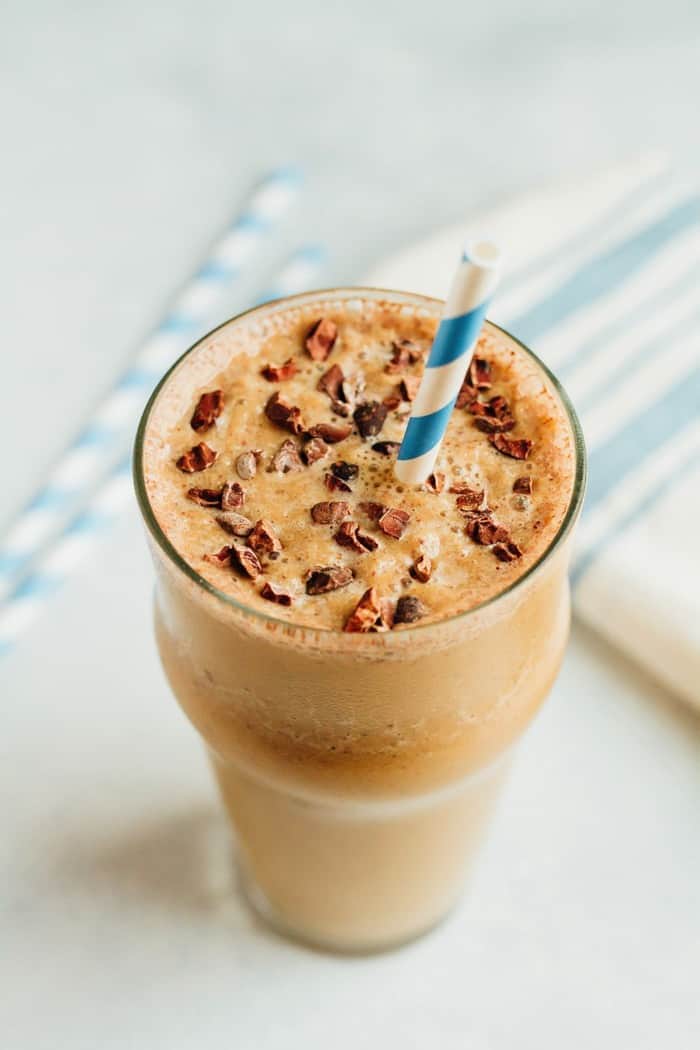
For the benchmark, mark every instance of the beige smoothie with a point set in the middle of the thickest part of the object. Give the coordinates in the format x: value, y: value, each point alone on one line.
x: 358, y: 655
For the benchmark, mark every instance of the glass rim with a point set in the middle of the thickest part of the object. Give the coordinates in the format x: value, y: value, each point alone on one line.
x: 355, y: 292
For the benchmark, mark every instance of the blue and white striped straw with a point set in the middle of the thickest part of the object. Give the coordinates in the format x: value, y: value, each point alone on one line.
x: 472, y: 288
x: 111, y: 425
x: 81, y: 535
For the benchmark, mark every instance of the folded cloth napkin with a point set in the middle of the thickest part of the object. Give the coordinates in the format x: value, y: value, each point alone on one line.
x: 602, y: 280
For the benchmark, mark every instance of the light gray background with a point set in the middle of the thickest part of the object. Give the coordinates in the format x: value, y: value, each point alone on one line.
x: 129, y: 134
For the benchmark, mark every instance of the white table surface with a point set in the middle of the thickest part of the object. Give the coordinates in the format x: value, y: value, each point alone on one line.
x: 129, y: 134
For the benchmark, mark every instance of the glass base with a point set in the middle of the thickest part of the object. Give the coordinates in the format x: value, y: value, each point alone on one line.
x: 259, y: 904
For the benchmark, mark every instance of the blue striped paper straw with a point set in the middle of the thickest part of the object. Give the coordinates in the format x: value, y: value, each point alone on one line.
x: 111, y: 424
x: 83, y: 533
x: 472, y: 288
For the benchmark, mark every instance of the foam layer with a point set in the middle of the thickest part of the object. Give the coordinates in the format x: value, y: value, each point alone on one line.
x: 464, y: 574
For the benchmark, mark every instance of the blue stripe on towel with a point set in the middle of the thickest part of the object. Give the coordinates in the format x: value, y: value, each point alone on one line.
x: 604, y: 272
x: 598, y: 344
x: 634, y: 513
x: 600, y: 226
x: 642, y: 435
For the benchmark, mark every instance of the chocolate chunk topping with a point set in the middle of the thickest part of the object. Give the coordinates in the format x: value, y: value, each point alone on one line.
x: 349, y: 535
x: 246, y: 561
x: 264, y: 540
x: 507, y: 551
x: 370, y: 417
x: 422, y: 568
x: 327, y: 578
x: 209, y: 407
x: 232, y: 496
x: 403, y: 354
x: 222, y: 557
x: 467, y: 394
x: 494, y: 426
x: 330, y: 513
x: 341, y: 390
x: 409, y: 609
x: 345, y: 471
x: 408, y: 387
x: 278, y: 373
x: 516, y: 448
x: 469, y: 499
x: 286, y: 458
x: 320, y: 338
x: 205, y: 497
x: 485, y: 531
x: 435, y: 482
x: 267, y: 591
x: 523, y: 485
x: 393, y: 522
x: 247, y: 463
x: 283, y: 415
x: 370, y: 614
x: 235, y: 524
x: 314, y: 450
x: 332, y: 433
x: 373, y: 510
x: 386, y: 448
x: 479, y: 373
x: 334, y: 484
x: 198, y: 458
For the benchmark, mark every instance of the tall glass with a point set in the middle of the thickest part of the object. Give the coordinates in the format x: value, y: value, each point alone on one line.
x: 359, y: 770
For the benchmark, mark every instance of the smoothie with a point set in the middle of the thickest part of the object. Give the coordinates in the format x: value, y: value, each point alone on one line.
x: 358, y: 655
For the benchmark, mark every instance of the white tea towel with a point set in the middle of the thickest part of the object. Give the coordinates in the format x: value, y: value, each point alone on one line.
x: 603, y: 282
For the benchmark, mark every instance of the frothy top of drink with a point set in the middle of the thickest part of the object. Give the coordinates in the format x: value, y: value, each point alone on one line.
x: 269, y: 454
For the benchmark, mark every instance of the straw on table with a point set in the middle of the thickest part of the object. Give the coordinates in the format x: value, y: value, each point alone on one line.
x: 472, y: 287
x: 110, y: 426
x: 84, y: 532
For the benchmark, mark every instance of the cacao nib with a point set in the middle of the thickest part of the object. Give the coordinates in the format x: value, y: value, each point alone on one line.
x: 386, y: 448
x: 235, y: 524
x: 468, y: 499
x: 232, y: 496
x: 209, y: 407
x: 247, y: 463
x: 370, y: 417
x: 199, y: 457
x: 264, y: 540
x: 485, y: 531
x: 507, y: 551
x: 345, y: 471
x: 283, y: 415
x: 327, y: 578
x: 334, y: 484
x: 349, y: 535
x: 516, y: 448
x: 422, y: 568
x: 314, y: 449
x: 479, y: 373
x: 246, y: 561
x: 320, y: 338
x: 286, y: 458
x: 205, y: 497
x: 409, y: 387
x: 523, y: 485
x: 331, y: 433
x: 330, y: 513
x: 222, y: 557
x: 370, y: 614
x: 435, y: 482
x: 280, y: 597
x: 373, y: 510
x: 278, y: 373
x: 409, y: 609
x: 393, y: 522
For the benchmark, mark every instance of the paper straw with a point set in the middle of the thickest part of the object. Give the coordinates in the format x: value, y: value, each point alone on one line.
x: 84, y: 532
x: 448, y: 360
x: 103, y: 437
